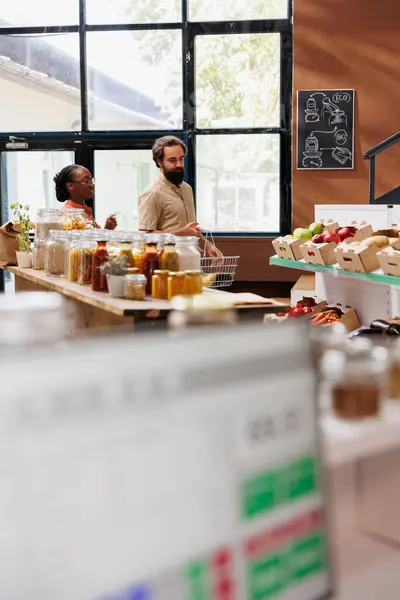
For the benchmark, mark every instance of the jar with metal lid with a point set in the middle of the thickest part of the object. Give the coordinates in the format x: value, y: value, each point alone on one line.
x: 39, y: 253
x: 189, y: 253
x: 73, y: 255
x: 160, y: 285
x: 176, y: 284
x: 73, y: 218
x: 169, y: 258
x: 100, y: 256
x: 201, y: 311
x: 125, y: 249
x: 151, y: 260
x: 54, y: 263
x: 194, y: 283
x: 47, y: 219
x: 357, y: 374
x: 135, y: 287
x: 138, y: 250
x: 88, y: 246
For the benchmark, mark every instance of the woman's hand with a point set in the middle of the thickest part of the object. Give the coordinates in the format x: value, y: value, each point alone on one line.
x: 111, y: 222
x: 212, y: 251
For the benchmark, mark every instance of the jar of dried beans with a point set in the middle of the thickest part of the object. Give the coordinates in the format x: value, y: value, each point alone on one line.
x: 54, y: 263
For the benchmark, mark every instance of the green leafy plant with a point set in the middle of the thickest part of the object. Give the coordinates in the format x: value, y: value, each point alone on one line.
x: 24, y: 222
x: 115, y: 266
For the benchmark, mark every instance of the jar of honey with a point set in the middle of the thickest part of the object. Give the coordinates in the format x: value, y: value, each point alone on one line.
x: 176, y: 284
x: 194, y: 283
x: 160, y: 285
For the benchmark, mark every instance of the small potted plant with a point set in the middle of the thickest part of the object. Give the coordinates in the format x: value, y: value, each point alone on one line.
x: 115, y: 268
x: 24, y: 255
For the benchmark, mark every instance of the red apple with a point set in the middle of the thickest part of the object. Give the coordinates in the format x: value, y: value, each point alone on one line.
x: 344, y: 233
x: 318, y: 239
x: 331, y: 236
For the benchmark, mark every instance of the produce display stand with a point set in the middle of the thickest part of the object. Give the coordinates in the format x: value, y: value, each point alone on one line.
x: 98, y: 311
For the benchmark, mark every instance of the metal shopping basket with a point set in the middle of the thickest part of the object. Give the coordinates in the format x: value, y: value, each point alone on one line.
x: 218, y: 272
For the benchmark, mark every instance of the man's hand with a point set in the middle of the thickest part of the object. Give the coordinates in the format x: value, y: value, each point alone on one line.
x: 191, y: 229
x: 213, y: 251
x: 111, y: 223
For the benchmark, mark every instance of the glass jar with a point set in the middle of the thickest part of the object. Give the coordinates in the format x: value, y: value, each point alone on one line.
x: 199, y: 311
x: 100, y: 256
x: 47, y: 219
x: 189, y: 253
x: 135, y: 287
x: 73, y: 255
x: 151, y: 260
x: 125, y: 249
x: 176, y: 284
x: 169, y: 259
x: 113, y: 243
x: 160, y: 285
x: 88, y: 246
x: 73, y: 219
x: 139, y: 250
x: 39, y: 253
x: 394, y: 371
x: 54, y: 263
x: 194, y: 283
x: 358, y: 377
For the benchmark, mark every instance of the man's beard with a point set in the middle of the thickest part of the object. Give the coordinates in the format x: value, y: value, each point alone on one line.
x: 176, y: 176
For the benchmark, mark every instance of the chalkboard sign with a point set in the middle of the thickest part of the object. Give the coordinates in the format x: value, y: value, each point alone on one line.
x: 325, y: 129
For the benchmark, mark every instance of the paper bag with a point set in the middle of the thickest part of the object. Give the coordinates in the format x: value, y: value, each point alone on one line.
x: 8, y: 243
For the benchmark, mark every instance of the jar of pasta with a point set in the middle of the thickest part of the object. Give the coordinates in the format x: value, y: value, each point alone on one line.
x: 135, y: 287
x: 169, y: 259
x: 194, y: 283
x: 159, y: 288
x: 54, y: 263
x: 73, y: 219
x: 88, y: 246
x: 138, y: 250
x: 47, y: 219
x: 176, y: 284
x: 189, y: 253
x: 73, y: 255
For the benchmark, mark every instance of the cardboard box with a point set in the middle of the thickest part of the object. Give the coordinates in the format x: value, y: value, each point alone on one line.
x: 319, y: 254
x: 288, y: 248
x: 389, y: 261
x: 349, y: 319
x: 359, y: 259
x: 363, y: 232
x: 304, y: 286
x: 330, y: 225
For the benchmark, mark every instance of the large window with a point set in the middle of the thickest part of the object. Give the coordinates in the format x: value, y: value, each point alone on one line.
x: 96, y: 81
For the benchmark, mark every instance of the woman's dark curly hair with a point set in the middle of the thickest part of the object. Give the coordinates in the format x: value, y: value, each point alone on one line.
x: 61, y: 179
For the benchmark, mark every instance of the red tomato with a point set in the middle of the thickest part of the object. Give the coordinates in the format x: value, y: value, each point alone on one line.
x: 281, y: 314
x: 307, y: 310
x: 298, y: 311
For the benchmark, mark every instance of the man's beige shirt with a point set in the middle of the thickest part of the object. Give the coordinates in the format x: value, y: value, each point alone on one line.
x: 166, y: 207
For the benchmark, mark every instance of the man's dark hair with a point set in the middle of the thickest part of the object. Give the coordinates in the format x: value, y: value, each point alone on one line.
x: 61, y: 179
x: 166, y: 142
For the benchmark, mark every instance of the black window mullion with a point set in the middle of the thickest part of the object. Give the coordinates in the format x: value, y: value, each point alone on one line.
x: 83, y: 65
x: 286, y: 51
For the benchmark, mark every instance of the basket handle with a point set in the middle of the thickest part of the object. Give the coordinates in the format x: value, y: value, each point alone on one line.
x: 206, y: 235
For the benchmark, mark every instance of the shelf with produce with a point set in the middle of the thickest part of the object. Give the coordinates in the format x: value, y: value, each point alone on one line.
x: 376, y: 276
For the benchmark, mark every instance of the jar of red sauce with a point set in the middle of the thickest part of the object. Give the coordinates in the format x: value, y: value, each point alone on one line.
x: 151, y: 260
x: 100, y: 256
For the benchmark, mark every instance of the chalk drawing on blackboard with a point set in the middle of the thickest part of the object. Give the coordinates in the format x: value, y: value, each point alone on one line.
x: 331, y: 111
x: 341, y: 155
x: 312, y: 154
x: 311, y: 111
x: 341, y: 136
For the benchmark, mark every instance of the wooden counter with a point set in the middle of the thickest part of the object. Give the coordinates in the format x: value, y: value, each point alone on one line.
x: 96, y: 310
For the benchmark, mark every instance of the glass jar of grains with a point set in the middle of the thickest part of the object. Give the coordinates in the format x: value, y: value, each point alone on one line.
x: 135, y: 287
x: 73, y: 255
x: 189, y: 253
x: 54, y: 263
x: 160, y: 285
x: 47, y: 219
x: 358, y: 377
x: 125, y: 249
x: 176, y: 284
x: 88, y: 247
x: 39, y: 252
x: 73, y: 218
x: 194, y: 283
x: 138, y: 250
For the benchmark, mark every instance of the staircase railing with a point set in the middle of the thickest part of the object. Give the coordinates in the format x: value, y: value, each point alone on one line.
x: 371, y: 154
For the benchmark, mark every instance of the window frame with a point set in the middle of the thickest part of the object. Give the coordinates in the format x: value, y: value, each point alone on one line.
x: 85, y: 142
